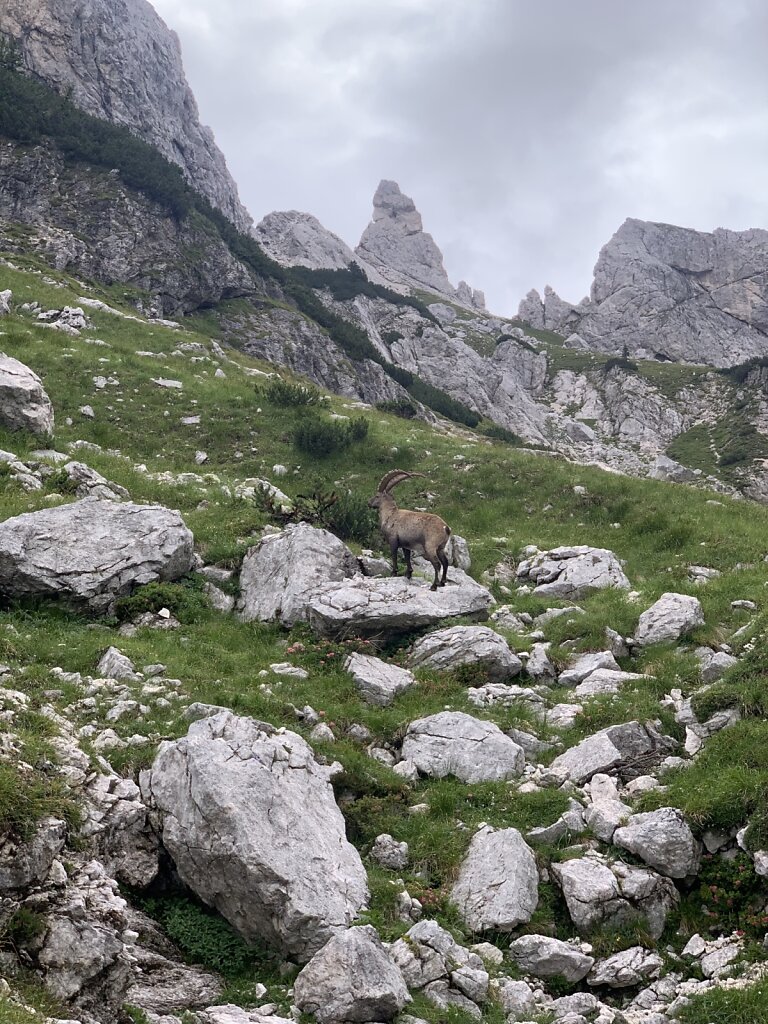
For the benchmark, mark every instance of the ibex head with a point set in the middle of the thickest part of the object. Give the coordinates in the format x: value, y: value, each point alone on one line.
x: 387, y: 482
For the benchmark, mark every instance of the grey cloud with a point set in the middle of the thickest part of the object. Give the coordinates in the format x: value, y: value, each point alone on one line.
x: 526, y: 133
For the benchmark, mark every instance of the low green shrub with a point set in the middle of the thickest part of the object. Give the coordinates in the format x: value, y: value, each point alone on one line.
x: 399, y: 407
x: 184, y: 599
x: 728, y: 1006
x: 732, y: 895
x: 284, y: 393
x: 321, y: 438
x: 498, y: 433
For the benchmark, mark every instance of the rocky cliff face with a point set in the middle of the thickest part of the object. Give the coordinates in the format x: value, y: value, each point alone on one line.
x: 90, y: 223
x: 297, y: 239
x: 671, y: 293
x: 123, y: 64
x: 396, y: 245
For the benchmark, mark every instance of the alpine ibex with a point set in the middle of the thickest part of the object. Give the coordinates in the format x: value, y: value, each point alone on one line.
x: 419, y: 531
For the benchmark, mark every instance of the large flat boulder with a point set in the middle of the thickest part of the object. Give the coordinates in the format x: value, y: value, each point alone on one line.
x: 365, y: 606
x: 573, y: 572
x: 24, y: 404
x: 477, y: 646
x: 498, y: 883
x: 91, y: 552
x: 250, y: 820
x: 453, y: 743
x: 307, y: 575
x: 378, y: 682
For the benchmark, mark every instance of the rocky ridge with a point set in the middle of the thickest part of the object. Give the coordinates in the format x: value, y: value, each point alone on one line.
x: 120, y: 62
x: 672, y: 293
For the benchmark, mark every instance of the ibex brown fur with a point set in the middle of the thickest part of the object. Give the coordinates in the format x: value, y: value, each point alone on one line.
x: 420, y: 531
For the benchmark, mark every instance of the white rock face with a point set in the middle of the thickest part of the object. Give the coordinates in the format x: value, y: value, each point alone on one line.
x: 250, y: 820
x: 377, y: 681
x: 545, y: 957
x: 452, y: 743
x: 573, y: 572
x: 663, y: 840
x: 120, y: 62
x: 24, y: 404
x: 498, y: 883
x: 669, y: 618
x: 352, y: 978
x: 682, y: 294
x: 102, y: 551
x: 395, y: 245
x: 300, y: 240
x: 447, y: 649
x: 602, y: 751
x: 606, y: 811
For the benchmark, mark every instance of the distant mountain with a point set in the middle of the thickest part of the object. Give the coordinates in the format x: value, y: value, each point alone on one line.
x: 670, y: 293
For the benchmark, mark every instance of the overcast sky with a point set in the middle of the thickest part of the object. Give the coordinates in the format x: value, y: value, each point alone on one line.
x: 526, y: 131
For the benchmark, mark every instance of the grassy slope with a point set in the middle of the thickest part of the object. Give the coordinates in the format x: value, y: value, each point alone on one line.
x: 496, y: 497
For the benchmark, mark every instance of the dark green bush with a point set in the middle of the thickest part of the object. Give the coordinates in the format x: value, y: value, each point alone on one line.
x: 620, y: 363
x: 351, y: 519
x: 185, y: 600
x: 499, y: 433
x: 205, y: 937
x: 284, y: 393
x: 320, y: 438
x: 392, y: 337
x: 399, y: 407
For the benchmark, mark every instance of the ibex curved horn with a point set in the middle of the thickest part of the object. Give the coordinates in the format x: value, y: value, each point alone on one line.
x: 393, y: 478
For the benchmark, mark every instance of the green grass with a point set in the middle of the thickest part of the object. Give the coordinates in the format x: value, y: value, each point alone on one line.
x: 729, y: 1006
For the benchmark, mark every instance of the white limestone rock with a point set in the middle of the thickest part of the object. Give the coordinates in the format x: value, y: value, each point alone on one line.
x: 395, y: 244
x: 307, y: 575
x: 102, y: 551
x: 573, y: 572
x: 378, y: 682
x: 606, y: 811
x: 453, y: 743
x: 498, y: 881
x: 604, y: 750
x: 633, y: 966
x: 389, y: 853
x: 668, y: 619
x: 585, y: 664
x: 113, y: 664
x: 475, y: 646
x: 249, y: 818
x: 24, y: 404
x: 663, y: 840
x: 351, y: 979
x: 546, y: 957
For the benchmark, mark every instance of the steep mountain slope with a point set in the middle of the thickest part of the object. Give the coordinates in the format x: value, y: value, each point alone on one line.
x: 667, y: 292
x: 119, y: 61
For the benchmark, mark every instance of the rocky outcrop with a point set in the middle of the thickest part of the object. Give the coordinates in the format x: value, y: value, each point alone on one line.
x: 24, y: 404
x: 118, y: 60
x: 669, y: 618
x: 546, y: 957
x: 395, y: 244
x: 308, y: 575
x: 87, y: 221
x: 299, y: 240
x: 101, y: 551
x: 249, y: 817
x: 573, y: 572
x: 549, y: 313
x: 673, y: 293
